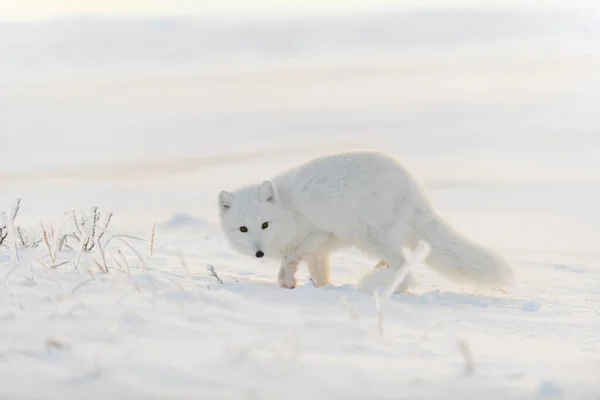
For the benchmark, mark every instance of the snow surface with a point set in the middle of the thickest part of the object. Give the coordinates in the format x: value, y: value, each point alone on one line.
x: 497, y: 114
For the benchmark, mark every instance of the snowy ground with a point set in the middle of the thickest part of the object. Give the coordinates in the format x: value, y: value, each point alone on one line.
x: 498, y: 119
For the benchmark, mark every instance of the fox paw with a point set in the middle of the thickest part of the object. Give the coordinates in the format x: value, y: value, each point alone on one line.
x: 286, y: 279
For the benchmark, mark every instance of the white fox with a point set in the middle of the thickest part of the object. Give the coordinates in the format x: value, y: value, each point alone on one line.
x: 363, y: 199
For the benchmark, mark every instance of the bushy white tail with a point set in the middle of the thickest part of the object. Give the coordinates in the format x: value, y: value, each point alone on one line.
x: 458, y: 258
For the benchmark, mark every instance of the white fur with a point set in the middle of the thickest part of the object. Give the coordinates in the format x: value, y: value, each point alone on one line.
x: 362, y: 199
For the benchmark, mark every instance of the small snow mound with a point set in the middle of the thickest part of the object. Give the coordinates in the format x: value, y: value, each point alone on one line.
x: 532, y: 306
x: 184, y: 220
x: 548, y: 390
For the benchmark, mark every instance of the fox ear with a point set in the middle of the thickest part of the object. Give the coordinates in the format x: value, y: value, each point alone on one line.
x: 267, y: 192
x: 226, y: 200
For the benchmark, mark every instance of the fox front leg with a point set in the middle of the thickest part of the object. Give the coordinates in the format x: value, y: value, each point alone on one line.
x: 289, y: 265
x: 287, y: 274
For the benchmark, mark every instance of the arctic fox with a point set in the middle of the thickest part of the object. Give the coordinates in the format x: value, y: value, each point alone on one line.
x: 363, y: 199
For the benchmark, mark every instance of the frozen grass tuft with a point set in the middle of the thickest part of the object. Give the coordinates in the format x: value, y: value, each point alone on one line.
x: 83, y: 243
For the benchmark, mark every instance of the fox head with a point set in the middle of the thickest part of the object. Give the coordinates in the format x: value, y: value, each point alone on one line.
x: 254, y: 221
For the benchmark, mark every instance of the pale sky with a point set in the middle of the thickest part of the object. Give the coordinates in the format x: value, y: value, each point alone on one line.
x: 43, y: 9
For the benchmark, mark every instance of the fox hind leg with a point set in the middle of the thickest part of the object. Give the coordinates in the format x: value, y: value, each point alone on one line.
x: 319, y: 268
x: 388, y: 247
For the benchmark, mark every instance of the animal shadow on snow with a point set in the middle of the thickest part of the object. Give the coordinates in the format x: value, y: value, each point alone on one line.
x: 306, y: 293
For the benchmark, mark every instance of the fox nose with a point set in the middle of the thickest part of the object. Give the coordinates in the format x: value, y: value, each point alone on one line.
x: 259, y: 254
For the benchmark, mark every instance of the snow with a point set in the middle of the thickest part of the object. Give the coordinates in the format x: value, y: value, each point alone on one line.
x: 499, y: 121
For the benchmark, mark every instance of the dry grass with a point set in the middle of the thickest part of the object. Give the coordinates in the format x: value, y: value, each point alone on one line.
x: 152, y: 240
x: 418, y: 256
x: 213, y: 273
x: 83, y: 233
x: 3, y: 234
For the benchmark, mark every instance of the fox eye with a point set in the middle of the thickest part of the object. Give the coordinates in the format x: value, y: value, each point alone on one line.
x: 265, y: 225
x: 243, y: 229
